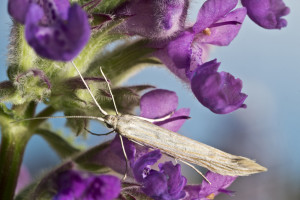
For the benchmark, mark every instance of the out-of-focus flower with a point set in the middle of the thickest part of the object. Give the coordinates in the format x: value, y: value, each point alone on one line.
x: 54, y: 29
x: 72, y: 185
x: 206, y: 191
x: 23, y: 180
x: 218, y: 91
x: 157, y: 19
x: 267, y: 13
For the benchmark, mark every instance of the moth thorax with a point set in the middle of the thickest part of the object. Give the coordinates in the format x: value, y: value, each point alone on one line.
x: 111, y: 121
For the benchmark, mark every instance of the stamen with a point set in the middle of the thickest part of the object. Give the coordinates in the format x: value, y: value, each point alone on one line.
x: 211, y: 196
x: 207, y: 31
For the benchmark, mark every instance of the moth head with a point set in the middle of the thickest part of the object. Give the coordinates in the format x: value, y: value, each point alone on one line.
x: 111, y: 121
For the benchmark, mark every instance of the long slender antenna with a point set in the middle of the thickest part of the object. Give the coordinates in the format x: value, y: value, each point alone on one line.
x: 112, y: 96
x: 87, y: 87
x: 59, y: 117
x: 192, y: 166
x: 126, y: 158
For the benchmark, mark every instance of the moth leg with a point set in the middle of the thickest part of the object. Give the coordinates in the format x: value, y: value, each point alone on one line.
x: 98, y: 134
x: 162, y: 118
x: 112, y: 96
x: 126, y: 158
x: 156, y: 120
x: 192, y: 166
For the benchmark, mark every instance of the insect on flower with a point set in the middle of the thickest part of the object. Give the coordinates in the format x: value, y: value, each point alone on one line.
x: 141, y: 131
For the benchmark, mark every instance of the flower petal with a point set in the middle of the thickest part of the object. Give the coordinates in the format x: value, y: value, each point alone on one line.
x: 179, y: 50
x: 62, y: 7
x: 211, y: 11
x: 218, y: 184
x: 158, y: 103
x: 142, y: 164
x: 220, y: 92
x: 176, y: 181
x: 59, y: 41
x: 191, y: 192
x: 155, y: 185
x: 267, y: 13
x: 153, y: 19
x: 224, y: 30
x: 18, y: 9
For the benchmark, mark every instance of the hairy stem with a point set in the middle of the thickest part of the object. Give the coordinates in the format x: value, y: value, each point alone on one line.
x: 13, y: 144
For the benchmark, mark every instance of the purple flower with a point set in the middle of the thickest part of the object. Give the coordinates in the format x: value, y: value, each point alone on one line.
x: 153, y: 19
x: 215, y: 25
x: 72, y: 185
x: 218, y: 91
x: 54, y: 29
x: 218, y: 25
x: 165, y: 184
x: 206, y: 191
x: 267, y: 13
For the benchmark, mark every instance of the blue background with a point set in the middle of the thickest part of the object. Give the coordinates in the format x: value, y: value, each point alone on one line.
x: 268, y: 130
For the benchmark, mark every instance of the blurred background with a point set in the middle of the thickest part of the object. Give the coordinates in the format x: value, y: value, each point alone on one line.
x: 268, y: 130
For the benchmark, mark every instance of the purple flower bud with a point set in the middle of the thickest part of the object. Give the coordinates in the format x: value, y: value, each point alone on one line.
x: 153, y: 19
x: 218, y: 91
x: 267, y: 13
x: 54, y: 29
x: 36, y: 73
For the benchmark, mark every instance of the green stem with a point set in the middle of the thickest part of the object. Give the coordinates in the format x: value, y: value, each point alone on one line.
x: 15, y: 137
x: 13, y: 144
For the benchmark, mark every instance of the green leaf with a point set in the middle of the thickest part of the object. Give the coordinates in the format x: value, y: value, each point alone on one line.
x: 59, y: 144
x: 124, y: 61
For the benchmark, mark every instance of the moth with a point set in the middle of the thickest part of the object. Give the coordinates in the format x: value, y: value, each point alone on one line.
x: 143, y: 131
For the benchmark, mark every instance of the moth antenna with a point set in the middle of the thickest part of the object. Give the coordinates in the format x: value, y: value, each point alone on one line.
x: 126, y: 158
x: 87, y: 87
x: 112, y: 96
x: 193, y: 167
x: 59, y: 117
